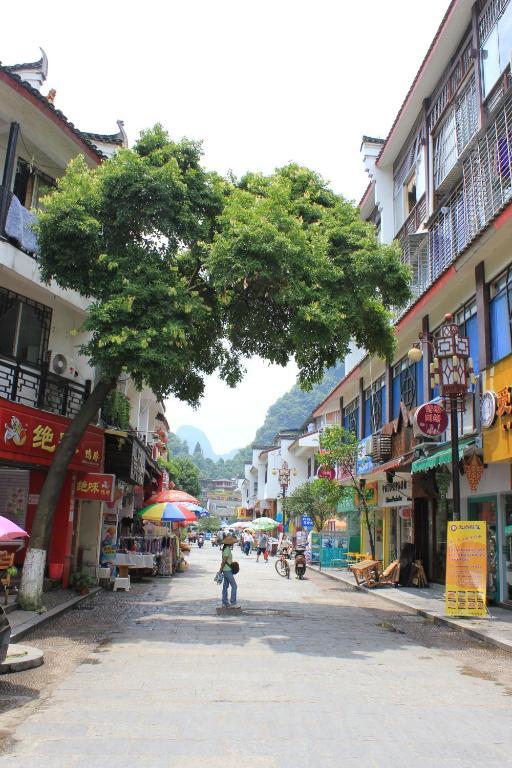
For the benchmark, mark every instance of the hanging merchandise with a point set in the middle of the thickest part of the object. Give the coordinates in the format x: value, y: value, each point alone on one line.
x: 474, y: 469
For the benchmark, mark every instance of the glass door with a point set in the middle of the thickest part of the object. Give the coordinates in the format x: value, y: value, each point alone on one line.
x: 486, y: 510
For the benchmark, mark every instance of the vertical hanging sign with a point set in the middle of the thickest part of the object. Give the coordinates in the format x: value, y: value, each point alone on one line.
x: 466, y: 568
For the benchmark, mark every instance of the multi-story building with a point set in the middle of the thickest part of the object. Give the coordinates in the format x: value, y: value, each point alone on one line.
x: 441, y: 184
x: 43, y: 377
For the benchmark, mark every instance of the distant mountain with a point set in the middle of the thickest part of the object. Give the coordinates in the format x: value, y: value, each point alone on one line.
x: 292, y: 409
x: 193, y: 435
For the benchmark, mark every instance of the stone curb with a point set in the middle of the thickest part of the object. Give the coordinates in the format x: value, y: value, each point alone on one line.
x: 443, y: 620
x: 30, y: 659
x: 41, y: 618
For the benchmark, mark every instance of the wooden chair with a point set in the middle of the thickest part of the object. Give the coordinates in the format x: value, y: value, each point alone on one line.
x: 6, y: 561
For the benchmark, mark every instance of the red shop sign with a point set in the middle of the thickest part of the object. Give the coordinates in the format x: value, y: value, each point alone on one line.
x: 94, y: 486
x: 30, y: 435
x: 431, y: 419
x: 327, y: 473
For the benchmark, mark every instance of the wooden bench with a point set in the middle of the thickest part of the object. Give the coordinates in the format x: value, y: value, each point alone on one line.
x: 6, y: 561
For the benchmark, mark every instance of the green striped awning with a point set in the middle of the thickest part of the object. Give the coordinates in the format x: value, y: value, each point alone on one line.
x: 443, y: 456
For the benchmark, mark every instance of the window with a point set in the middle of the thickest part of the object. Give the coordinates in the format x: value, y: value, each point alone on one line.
x: 309, y: 467
x: 495, y: 50
x: 500, y: 307
x: 374, y: 406
x: 31, y: 185
x: 466, y: 319
x: 25, y: 327
x: 409, y: 180
x: 407, y: 384
x: 351, y: 417
x: 455, y: 133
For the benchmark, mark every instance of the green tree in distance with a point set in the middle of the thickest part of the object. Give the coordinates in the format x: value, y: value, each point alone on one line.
x: 340, y: 448
x: 184, y: 474
x: 318, y: 499
x: 187, y: 273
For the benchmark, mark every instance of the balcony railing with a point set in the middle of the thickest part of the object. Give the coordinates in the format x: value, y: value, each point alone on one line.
x: 33, y: 385
x: 485, y: 189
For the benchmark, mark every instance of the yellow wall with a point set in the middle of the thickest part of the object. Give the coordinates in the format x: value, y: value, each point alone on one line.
x: 497, y: 441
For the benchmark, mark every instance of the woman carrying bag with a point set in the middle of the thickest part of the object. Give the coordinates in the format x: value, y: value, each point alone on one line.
x: 228, y: 568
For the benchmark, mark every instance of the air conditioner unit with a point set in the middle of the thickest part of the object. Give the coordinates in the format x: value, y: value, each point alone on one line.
x: 59, y: 364
x: 381, y: 447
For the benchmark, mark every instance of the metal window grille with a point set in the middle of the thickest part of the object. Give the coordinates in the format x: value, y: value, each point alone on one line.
x: 455, y: 133
x: 449, y: 87
x: 350, y: 414
x: 489, y: 16
x: 9, y: 299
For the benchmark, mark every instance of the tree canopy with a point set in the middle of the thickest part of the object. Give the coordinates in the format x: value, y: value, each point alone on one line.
x: 187, y: 272
x: 184, y: 474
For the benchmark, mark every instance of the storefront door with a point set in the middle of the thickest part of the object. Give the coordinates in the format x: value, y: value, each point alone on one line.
x: 507, y: 547
x: 485, y: 509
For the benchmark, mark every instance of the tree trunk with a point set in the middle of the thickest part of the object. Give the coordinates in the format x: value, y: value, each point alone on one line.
x: 369, y: 528
x: 31, y: 590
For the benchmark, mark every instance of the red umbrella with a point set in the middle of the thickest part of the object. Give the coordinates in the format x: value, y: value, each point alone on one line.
x: 172, y: 496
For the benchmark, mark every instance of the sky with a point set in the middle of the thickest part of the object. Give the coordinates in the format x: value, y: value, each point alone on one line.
x: 260, y: 83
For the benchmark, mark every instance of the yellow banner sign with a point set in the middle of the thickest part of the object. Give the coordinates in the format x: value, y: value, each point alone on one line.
x: 466, y: 568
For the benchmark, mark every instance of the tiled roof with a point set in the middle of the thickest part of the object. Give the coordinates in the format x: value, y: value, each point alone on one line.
x: 108, y: 138
x: 29, y: 65
x: 9, y: 72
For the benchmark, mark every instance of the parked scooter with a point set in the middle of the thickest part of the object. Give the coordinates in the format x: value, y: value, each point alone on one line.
x: 200, y: 541
x: 300, y: 565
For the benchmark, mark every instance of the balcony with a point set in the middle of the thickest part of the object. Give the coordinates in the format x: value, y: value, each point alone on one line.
x: 34, y: 385
x: 483, y: 192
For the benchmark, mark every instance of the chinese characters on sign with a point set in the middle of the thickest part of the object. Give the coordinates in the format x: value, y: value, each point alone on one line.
x: 138, y: 466
x: 95, y: 487
x: 466, y: 569
x: 397, y: 493
x: 431, y: 419
x: 30, y: 435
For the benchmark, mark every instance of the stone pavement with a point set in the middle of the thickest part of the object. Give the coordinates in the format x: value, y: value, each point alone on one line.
x: 304, y: 676
x: 495, y: 629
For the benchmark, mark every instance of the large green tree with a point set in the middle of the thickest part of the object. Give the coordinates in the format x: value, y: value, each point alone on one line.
x: 187, y: 273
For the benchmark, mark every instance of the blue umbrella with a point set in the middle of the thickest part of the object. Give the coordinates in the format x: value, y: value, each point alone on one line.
x: 200, y: 511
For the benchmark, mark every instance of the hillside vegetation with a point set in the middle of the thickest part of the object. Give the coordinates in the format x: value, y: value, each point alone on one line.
x: 290, y: 411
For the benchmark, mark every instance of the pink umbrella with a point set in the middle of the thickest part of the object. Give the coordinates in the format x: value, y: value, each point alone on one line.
x: 9, y: 530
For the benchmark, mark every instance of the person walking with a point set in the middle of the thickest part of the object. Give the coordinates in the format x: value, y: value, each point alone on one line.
x: 262, y: 547
x: 248, y: 541
x: 225, y: 567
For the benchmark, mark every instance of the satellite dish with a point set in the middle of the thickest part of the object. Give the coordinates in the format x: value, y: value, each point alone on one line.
x: 59, y: 364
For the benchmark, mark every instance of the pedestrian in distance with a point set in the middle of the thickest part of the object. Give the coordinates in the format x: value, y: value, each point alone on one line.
x: 262, y: 547
x: 227, y: 572
x: 248, y: 542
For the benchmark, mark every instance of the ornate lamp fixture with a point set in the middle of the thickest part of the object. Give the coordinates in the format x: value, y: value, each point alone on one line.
x: 452, y: 371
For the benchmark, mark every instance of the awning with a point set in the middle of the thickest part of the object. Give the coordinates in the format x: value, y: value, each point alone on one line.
x: 443, y: 456
x: 389, y: 466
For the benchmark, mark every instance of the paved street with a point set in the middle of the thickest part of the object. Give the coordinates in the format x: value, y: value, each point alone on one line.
x: 310, y: 674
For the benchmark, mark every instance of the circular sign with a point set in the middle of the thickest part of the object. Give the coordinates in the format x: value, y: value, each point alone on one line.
x: 488, y: 409
x: 326, y: 472
x: 405, y: 513
x: 431, y: 419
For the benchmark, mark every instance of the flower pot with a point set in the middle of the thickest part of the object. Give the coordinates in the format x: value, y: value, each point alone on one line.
x: 55, y: 571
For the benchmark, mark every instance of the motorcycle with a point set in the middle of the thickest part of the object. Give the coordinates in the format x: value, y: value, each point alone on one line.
x: 200, y: 541
x: 300, y: 565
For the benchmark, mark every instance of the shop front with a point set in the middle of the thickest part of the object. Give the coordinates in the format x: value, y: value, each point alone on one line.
x: 126, y: 542
x: 395, y: 503
x: 352, y: 518
x: 492, y: 499
x: 28, y: 441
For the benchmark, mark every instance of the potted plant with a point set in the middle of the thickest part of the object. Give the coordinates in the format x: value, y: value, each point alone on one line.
x: 81, y: 582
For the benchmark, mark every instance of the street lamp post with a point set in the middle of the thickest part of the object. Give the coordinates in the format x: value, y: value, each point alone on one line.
x: 283, y: 475
x: 451, y: 370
